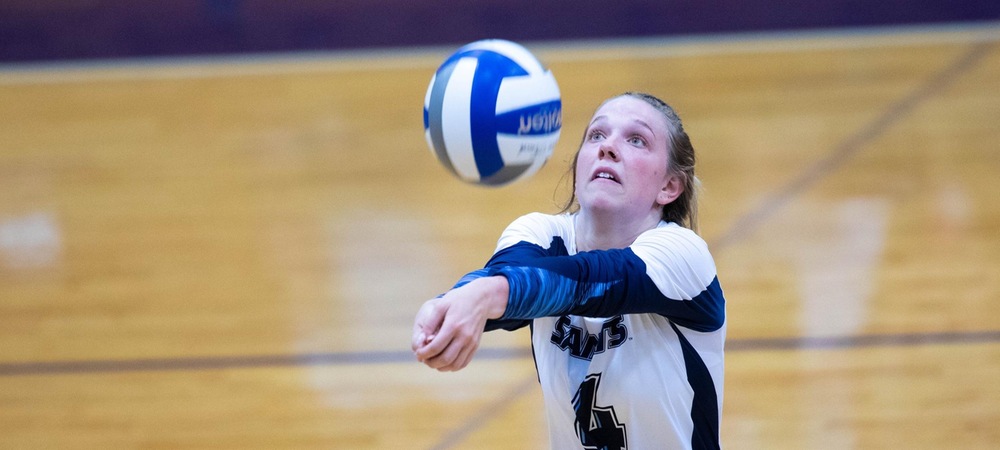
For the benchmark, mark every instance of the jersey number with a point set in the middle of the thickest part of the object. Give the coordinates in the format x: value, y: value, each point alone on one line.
x: 596, y: 426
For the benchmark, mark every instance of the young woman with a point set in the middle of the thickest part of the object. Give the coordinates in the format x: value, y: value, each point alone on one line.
x: 627, y: 315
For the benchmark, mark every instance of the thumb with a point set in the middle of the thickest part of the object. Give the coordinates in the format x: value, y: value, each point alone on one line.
x: 427, y: 323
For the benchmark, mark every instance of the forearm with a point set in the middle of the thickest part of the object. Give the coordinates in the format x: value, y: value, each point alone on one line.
x: 490, y: 294
x: 598, y: 284
x: 546, y: 283
x: 602, y: 284
x: 492, y: 323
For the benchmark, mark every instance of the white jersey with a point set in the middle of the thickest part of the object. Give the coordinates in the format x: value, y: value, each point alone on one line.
x: 627, y: 380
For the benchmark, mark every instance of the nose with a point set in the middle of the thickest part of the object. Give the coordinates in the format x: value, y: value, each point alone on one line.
x: 607, y: 151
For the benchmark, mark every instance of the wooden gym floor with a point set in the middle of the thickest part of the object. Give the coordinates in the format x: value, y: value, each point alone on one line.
x: 228, y: 253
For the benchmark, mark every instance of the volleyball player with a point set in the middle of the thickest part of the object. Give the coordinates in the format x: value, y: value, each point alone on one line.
x: 627, y: 314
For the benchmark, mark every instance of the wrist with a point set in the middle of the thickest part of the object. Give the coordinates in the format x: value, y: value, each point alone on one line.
x: 495, y: 296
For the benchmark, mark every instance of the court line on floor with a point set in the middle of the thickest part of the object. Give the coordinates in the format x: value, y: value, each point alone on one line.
x: 485, y: 414
x: 404, y: 356
x: 862, y: 341
x: 230, y: 362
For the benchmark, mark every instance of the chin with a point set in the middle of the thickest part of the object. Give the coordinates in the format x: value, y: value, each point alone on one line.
x: 600, y: 203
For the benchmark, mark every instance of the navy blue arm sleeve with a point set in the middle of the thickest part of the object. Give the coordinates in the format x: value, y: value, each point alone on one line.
x: 596, y: 284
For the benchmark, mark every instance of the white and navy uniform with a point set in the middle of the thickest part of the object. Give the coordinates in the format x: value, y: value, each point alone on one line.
x: 628, y: 343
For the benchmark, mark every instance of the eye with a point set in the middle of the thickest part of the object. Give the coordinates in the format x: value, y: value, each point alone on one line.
x: 637, y: 140
x: 595, y: 135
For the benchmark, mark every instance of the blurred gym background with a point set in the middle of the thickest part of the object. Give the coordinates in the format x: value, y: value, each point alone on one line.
x: 47, y: 30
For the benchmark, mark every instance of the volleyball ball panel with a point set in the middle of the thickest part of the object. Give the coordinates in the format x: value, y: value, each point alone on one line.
x: 492, y: 113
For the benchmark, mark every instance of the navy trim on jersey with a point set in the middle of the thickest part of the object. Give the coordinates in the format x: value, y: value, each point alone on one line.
x: 705, y: 312
x: 524, y: 251
x: 705, y: 404
x: 506, y: 324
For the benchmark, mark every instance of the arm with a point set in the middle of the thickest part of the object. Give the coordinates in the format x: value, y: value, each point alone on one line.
x: 516, y: 254
x: 492, y: 323
x: 667, y: 272
x: 447, y: 329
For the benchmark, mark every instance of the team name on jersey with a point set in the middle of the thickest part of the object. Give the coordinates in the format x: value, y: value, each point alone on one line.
x: 583, y: 345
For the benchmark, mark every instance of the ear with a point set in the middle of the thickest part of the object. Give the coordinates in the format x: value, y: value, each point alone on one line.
x: 672, y: 189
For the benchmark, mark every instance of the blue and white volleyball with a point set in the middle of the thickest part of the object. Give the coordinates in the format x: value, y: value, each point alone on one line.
x: 492, y: 113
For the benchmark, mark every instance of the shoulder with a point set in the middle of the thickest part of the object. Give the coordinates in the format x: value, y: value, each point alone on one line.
x: 674, y: 239
x: 538, y: 219
x: 674, y: 254
x: 536, y: 228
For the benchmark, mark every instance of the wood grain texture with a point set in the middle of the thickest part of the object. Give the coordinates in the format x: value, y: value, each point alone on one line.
x: 229, y: 254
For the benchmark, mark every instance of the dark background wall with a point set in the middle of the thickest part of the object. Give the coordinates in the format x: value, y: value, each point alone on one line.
x: 45, y: 30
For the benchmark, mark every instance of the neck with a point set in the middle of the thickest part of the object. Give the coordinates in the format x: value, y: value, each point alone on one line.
x: 597, y: 231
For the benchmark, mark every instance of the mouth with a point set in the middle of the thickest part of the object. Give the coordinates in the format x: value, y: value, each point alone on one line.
x: 606, y: 174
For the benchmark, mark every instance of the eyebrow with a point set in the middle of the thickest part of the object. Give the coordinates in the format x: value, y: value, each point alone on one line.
x: 640, y: 122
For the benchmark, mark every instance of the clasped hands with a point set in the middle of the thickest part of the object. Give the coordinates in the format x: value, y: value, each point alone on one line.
x: 447, y: 329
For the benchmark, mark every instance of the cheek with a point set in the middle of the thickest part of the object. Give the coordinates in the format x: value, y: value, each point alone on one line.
x: 663, y: 166
x: 655, y: 169
x: 583, y: 164
x: 578, y: 175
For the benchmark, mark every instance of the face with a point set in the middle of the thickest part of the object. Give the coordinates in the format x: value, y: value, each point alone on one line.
x: 622, y: 163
